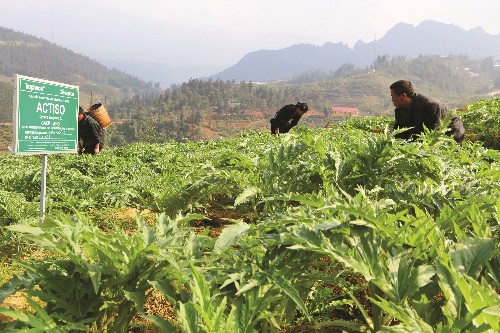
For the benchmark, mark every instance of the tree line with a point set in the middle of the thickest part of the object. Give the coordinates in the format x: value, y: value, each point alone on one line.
x: 448, y: 74
x: 178, y: 112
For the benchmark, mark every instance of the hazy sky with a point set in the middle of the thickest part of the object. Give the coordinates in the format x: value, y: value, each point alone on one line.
x: 202, y: 37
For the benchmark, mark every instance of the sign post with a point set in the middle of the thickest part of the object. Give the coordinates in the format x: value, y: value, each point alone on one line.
x: 45, y: 121
x: 43, y: 186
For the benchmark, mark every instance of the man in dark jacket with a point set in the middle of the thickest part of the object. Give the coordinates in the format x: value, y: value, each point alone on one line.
x: 416, y: 110
x: 288, y: 117
x: 90, y: 134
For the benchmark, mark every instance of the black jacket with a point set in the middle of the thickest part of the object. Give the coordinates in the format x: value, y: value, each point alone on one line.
x: 90, y: 133
x: 285, y: 119
x: 429, y: 112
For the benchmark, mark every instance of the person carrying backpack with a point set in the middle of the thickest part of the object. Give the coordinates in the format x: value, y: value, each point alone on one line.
x: 90, y: 134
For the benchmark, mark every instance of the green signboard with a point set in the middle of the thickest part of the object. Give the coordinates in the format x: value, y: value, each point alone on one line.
x: 45, y: 117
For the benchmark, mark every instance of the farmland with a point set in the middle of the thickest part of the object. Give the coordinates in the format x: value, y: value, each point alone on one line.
x: 319, y: 230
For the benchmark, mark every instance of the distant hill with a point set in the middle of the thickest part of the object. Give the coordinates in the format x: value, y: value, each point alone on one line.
x: 427, y: 38
x: 25, y: 54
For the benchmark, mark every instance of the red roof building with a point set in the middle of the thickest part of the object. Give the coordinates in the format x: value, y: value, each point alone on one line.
x: 345, y: 111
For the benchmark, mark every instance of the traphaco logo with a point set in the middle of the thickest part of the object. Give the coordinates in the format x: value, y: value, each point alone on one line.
x: 32, y: 87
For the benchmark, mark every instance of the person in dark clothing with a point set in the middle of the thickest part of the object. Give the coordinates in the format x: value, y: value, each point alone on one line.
x: 90, y: 134
x: 287, y: 117
x: 415, y: 110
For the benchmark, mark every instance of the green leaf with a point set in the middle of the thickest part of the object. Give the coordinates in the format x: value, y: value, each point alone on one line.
x: 404, y: 279
x: 230, y: 235
x: 471, y: 254
x: 26, y: 229
x: 95, y: 272
x: 252, y: 283
x: 188, y: 318
x: 410, y: 321
x: 351, y: 325
x: 285, y: 286
x: 247, y: 193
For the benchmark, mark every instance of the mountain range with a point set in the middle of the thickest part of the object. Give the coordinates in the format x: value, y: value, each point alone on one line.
x: 427, y: 38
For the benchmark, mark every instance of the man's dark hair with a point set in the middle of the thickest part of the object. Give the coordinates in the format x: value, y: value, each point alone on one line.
x: 402, y: 86
x: 302, y: 106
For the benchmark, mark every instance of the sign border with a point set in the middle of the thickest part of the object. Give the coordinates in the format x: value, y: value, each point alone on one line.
x: 14, y: 148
